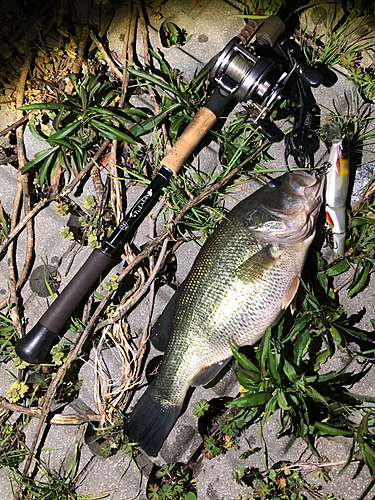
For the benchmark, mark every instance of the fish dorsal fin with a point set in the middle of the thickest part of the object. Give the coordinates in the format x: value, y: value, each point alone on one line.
x: 253, y: 267
x: 162, y: 329
x: 291, y: 295
x: 208, y: 373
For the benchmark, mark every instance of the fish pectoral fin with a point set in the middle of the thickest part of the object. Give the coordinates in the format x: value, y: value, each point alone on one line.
x: 291, y: 295
x: 205, y: 375
x: 253, y: 268
x: 162, y: 329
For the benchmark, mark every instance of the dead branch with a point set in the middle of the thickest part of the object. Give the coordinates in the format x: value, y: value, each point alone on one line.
x: 6, y: 405
x: 74, y: 419
x: 56, y: 419
x: 127, y: 54
x: 69, y: 188
x: 121, y: 311
x: 150, y: 90
x: 22, y: 191
x: 126, y: 59
x: 106, y: 57
x: 16, y: 124
x: 19, y: 227
x: 24, y: 180
x: 76, y: 68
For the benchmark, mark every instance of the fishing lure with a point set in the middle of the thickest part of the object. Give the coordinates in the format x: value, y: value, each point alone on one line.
x: 336, y: 189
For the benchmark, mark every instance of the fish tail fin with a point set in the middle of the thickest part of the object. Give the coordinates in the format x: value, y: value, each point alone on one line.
x: 150, y: 422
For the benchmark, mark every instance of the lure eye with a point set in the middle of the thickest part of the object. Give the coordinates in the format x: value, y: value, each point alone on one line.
x: 274, y: 183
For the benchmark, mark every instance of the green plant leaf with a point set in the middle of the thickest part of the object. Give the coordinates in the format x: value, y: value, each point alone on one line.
x: 176, y: 121
x: 64, y: 132
x: 92, y: 91
x: 340, y: 267
x: 289, y: 371
x: 363, y: 429
x: 190, y: 496
x: 35, y: 132
x: 350, y: 331
x: 281, y: 400
x: 250, y: 400
x: 300, y: 344
x: 329, y: 430
x: 272, y: 367
x: 368, y: 455
x: 300, y: 325
x: 323, y: 280
x: 315, y: 396
x: 163, y: 66
x: 264, y: 347
x: 243, y: 360
x: 40, y: 156
x: 334, y: 376
x: 60, y: 142
x: 123, y: 115
x: 161, y: 83
x: 43, y: 105
x: 360, y: 279
x: 153, y: 121
x: 110, y: 132
x: 360, y: 397
x: 248, y: 380
x: 42, y: 176
x: 73, y: 79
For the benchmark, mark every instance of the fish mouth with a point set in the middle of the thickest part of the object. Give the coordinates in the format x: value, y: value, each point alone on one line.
x: 314, y: 190
x: 298, y: 224
x: 313, y: 194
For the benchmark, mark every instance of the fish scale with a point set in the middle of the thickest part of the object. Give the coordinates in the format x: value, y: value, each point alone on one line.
x: 243, y: 279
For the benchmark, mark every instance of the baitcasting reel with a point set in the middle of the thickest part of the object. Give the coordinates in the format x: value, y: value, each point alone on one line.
x: 261, y: 73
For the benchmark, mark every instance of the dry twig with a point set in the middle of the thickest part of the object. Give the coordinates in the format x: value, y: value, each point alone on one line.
x: 150, y: 90
x: 106, y: 57
x: 76, y: 68
x: 22, y: 191
x: 16, y: 124
x: 56, y: 419
x: 122, y: 310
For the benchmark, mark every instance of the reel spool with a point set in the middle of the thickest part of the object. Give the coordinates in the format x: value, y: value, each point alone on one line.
x: 254, y: 79
x: 241, y: 74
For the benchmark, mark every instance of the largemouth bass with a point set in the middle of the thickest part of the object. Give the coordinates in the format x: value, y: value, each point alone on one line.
x: 243, y: 279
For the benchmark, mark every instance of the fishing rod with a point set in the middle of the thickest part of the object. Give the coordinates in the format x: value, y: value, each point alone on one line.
x: 245, y: 72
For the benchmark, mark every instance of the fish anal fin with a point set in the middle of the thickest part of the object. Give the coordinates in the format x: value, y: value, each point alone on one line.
x: 290, y: 297
x: 162, y: 329
x: 205, y: 375
x: 254, y: 267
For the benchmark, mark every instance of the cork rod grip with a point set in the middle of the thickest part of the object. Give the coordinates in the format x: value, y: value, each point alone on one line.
x: 189, y: 140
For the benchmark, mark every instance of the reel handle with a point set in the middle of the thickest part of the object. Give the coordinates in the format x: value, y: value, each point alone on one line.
x: 248, y: 31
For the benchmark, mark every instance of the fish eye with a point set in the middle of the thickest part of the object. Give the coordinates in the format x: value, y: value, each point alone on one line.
x: 298, y: 188
x: 274, y: 183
